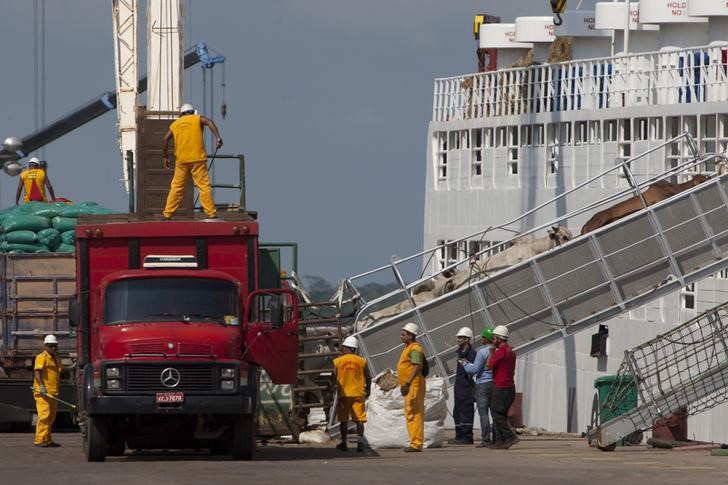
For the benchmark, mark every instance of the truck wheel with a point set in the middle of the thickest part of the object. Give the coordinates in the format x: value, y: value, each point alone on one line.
x: 94, y: 438
x: 243, y: 437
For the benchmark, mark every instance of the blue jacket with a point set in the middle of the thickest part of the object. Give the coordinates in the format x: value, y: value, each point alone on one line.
x: 462, y: 378
x: 482, y: 374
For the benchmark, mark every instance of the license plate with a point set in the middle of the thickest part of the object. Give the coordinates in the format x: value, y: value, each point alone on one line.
x: 170, y: 397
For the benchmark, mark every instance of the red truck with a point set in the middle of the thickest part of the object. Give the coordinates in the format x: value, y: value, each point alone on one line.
x: 171, y: 330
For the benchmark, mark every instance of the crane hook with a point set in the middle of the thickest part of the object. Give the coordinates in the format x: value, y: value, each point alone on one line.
x: 558, y: 7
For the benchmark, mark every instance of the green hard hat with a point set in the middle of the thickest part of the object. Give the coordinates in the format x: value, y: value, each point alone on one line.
x: 487, y: 333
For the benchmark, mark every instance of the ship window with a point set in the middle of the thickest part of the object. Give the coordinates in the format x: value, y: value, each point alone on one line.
x: 566, y: 133
x: 526, y: 138
x: 489, y: 139
x: 500, y: 137
x: 688, y: 297
x: 513, y: 150
x: 610, y: 130
x: 625, y: 129
x: 594, y: 134
x: 582, y: 136
x: 440, y: 141
x: 552, y: 149
x: 454, y: 140
x: 641, y: 129
x: 708, y: 126
x: 656, y: 129
x: 538, y: 135
x: 477, y: 152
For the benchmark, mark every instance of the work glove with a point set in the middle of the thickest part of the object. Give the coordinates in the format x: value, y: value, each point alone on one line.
x: 43, y: 389
x: 405, y: 389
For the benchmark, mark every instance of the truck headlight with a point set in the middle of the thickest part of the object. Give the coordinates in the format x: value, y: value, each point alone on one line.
x: 113, y: 372
x: 227, y: 385
x: 113, y: 384
x: 227, y: 372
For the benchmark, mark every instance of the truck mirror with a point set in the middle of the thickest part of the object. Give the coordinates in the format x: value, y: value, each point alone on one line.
x: 74, y: 313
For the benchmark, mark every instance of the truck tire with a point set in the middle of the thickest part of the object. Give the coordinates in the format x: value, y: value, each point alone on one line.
x: 95, y: 441
x: 243, y: 437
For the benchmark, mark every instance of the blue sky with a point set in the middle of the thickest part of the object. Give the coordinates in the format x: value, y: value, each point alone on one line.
x: 328, y: 99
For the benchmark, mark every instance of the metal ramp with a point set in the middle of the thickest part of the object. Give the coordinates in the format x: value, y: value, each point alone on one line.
x: 590, y: 279
x: 684, y: 369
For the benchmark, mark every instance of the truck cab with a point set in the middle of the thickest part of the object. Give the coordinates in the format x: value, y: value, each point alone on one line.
x: 172, y: 328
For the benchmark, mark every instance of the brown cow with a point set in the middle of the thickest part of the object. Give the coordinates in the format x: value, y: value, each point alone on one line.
x: 655, y: 193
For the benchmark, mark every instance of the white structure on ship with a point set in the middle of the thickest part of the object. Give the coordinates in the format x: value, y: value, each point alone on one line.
x: 502, y: 142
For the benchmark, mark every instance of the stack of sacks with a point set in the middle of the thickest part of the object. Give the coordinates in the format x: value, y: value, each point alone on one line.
x: 43, y: 227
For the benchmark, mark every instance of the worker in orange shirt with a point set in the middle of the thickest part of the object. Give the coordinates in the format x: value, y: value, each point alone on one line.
x: 190, y: 159
x: 46, y: 382
x: 412, y: 385
x: 34, y: 181
x: 353, y: 383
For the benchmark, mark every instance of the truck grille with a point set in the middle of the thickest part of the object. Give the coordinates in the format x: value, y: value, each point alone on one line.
x: 144, y: 378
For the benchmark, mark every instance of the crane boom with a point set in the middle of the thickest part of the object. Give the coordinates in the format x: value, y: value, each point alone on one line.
x: 78, y: 117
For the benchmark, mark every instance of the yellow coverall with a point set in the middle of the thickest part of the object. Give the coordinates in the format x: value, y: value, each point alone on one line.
x: 50, y: 372
x: 190, y: 159
x: 414, y: 401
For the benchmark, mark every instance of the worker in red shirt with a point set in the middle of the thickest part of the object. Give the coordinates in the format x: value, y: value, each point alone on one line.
x: 502, y: 361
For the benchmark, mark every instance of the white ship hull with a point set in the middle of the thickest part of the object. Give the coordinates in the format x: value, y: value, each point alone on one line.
x: 497, y: 148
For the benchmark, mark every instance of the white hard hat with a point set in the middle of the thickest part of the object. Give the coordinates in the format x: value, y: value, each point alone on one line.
x: 411, y: 328
x: 185, y: 108
x: 34, y: 161
x: 50, y: 339
x: 465, y: 332
x: 351, y: 342
x: 501, y: 331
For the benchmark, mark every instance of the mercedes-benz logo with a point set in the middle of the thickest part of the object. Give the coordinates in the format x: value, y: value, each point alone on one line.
x: 170, y: 377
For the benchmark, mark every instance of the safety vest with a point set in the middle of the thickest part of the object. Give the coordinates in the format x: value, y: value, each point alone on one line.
x: 34, y: 185
x: 405, y: 365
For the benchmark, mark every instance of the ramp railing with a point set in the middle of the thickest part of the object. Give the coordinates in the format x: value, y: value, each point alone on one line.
x: 559, y: 292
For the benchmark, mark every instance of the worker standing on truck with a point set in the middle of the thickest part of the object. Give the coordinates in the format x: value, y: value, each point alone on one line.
x: 353, y: 383
x: 46, y: 382
x: 190, y: 159
x: 463, y: 410
x: 412, y: 385
x: 34, y: 181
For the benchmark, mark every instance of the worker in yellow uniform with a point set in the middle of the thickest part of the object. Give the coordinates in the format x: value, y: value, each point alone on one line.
x: 412, y: 385
x: 34, y: 182
x: 353, y: 383
x: 190, y: 159
x: 47, y: 372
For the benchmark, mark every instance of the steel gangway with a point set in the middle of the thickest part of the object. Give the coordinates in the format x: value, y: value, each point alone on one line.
x: 587, y: 280
x: 684, y: 371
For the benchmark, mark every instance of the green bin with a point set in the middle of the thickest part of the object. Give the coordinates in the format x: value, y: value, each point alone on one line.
x: 623, y: 397
x: 617, y: 395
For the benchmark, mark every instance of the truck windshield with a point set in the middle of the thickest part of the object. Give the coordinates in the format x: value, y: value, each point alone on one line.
x: 171, y: 299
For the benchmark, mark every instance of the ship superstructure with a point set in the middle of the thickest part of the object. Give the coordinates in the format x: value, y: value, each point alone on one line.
x: 504, y: 142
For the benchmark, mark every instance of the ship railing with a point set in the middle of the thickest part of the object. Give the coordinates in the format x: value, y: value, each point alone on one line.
x: 409, y: 276
x: 670, y: 76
